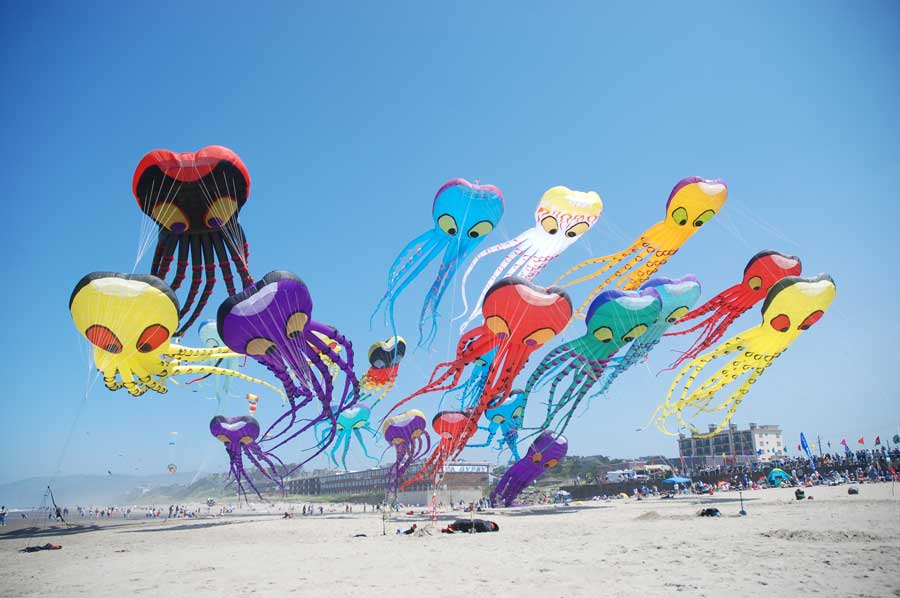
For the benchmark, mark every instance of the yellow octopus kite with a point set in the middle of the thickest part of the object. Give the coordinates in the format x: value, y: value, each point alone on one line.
x: 791, y: 306
x: 130, y: 318
x: 692, y: 203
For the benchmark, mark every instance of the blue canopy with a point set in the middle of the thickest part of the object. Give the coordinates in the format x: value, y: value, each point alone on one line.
x: 677, y: 480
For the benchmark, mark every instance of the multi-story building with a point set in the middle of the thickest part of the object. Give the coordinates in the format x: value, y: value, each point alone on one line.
x: 756, y: 443
x: 461, y: 481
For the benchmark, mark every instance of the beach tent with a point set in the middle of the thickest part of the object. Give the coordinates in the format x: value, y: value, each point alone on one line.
x: 777, y: 477
x: 677, y: 480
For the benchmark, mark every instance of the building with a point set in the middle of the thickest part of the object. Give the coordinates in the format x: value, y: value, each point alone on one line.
x: 756, y: 443
x: 464, y: 481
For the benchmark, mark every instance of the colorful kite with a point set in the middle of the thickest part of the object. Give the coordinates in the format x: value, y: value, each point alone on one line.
x: 408, y: 435
x: 762, y: 271
x: 384, y: 364
x: 562, y: 216
x: 350, y: 424
x: 195, y: 198
x: 677, y: 296
x: 792, y: 305
x: 506, y: 417
x: 544, y: 453
x: 614, y: 319
x: 691, y: 204
x: 463, y: 215
x: 239, y: 435
x: 272, y: 322
x: 129, y: 318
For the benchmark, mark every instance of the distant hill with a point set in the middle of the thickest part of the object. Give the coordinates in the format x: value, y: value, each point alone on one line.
x: 86, y: 490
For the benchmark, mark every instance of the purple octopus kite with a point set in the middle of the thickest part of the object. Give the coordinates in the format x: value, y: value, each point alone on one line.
x: 544, y: 453
x: 239, y: 435
x: 407, y: 433
x: 272, y: 323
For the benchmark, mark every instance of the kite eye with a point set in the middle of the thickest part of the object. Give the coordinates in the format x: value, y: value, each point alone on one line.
x: 447, y: 223
x: 104, y: 338
x: 223, y: 438
x: 680, y: 216
x: 246, y: 439
x: 781, y: 323
x: 259, y: 346
x: 577, y: 229
x: 339, y: 427
x: 634, y: 333
x: 677, y: 314
x: 811, y: 319
x: 518, y: 412
x: 498, y: 326
x: 550, y: 224
x: 359, y: 424
x: 539, y: 337
x: 603, y: 334
x: 398, y: 441
x: 152, y: 337
x: 551, y: 463
x: 220, y: 212
x: 295, y: 324
x: 498, y: 419
x: 704, y: 218
x: 755, y: 283
x: 170, y: 216
x: 480, y: 229
x: 536, y: 458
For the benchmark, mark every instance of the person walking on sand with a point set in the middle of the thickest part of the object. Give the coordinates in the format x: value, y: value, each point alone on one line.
x: 3, y: 515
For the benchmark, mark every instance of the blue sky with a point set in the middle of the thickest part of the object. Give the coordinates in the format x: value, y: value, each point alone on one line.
x: 351, y: 115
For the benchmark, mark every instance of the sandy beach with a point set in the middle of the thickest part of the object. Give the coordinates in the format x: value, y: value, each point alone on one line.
x: 834, y: 545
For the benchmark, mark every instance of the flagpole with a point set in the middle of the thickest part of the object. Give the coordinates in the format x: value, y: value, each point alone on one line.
x: 819, y: 442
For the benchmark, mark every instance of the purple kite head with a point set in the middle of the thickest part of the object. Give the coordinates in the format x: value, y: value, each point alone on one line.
x: 408, y: 435
x: 234, y: 431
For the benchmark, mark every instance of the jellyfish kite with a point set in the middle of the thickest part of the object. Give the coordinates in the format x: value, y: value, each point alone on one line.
x: 272, y: 322
x: 408, y: 435
x: 506, y: 418
x: 464, y: 213
x: 691, y: 204
x: 239, y: 435
x: 614, y: 319
x: 562, y: 216
x: 384, y: 363
x: 762, y: 271
x: 451, y: 428
x: 792, y: 305
x: 195, y: 198
x: 677, y: 296
x: 129, y: 318
x: 350, y: 424
x: 544, y: 454
x: 519, y: 318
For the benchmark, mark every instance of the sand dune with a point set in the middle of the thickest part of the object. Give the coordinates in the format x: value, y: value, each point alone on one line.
x: 834, y: 545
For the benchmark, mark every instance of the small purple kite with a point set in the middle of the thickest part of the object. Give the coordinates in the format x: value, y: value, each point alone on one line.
x: 544, y: 453
x: 407, y: 433
x: 239, y: 435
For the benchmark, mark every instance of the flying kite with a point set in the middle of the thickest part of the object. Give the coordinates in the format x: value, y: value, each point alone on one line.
x: 544, y: 454
x: 239, y: 435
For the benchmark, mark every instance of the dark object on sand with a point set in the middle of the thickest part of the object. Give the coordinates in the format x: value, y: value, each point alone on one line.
x: 710, y: 512
x: 852, y: 490
x: 799, y: 494
x: 46, y: 546
x: 360, y: 536
x: 465, y: 525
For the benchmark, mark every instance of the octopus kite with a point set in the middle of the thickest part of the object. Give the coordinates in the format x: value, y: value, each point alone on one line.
x: 239, y: 435
x: 463, y: 214
x: 451, y: 428
x: 691, y: 204
x: 519, y: 318
x: 195, y: 198
x: 562, y: 216
x: 384, y: 363
x: 408, y: 435
x: 762, y: 271
x: 129, y: 318
x: 544, y: 453
x: 677, y: 296
x: 272, y: 322
x: 351, y: 421
x: 614, y: 319
x: 506, y: 417
x: 792, y: 305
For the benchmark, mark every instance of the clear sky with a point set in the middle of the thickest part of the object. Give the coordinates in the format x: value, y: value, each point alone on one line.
x: 350, y: 115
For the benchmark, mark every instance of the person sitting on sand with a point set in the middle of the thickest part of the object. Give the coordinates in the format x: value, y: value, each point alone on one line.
x: 464, y: 525
x: 410, y: 531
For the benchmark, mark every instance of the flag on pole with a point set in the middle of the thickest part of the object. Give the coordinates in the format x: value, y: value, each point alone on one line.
x: 844, y: 442
x: 877, y: 440
x: 861, y: 440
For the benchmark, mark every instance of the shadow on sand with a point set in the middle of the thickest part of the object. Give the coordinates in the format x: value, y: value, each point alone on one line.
x: 41, y: 532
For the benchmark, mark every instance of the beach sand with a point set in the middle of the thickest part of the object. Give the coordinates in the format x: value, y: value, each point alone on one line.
x: 834, y: 545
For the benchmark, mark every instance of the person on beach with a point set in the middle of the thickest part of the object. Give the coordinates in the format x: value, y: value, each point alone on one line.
x: 3, y: 515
